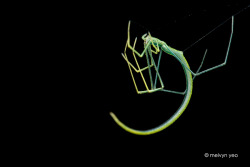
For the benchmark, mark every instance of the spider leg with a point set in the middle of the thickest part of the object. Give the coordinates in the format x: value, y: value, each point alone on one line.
x: 212, y: 68
x: 217, y: 66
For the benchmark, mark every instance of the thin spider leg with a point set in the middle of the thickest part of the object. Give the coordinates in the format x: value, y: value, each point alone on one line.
x: 133, y: 79
x: 156, y: 47
x: 164, y: 90
x: 139, y: 67
x: 130, y: 47
x: 149, y: 69
x: 220, y: 65
x: 201, y: 63
x: 136, y: 70
x: 158, y: 65
x: 135, y: 52
x: 225, y: 61
x: 174, y: 92
x: 129, y: 65
x: 126, y: 58
x: 149, y: 91
x: 183, y: 93
x: 142, y: 54
x: 131, y: 71
x: 212, y: 68
x: 157, y: 72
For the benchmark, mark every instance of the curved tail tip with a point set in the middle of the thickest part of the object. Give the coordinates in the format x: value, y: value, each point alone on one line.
x: 111, y: 114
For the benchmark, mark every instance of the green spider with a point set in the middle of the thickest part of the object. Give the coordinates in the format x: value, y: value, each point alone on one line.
x: 160, y: 46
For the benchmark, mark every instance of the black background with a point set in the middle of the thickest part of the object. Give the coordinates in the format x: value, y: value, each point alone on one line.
x: 94, y: 79
x: 215, y: 120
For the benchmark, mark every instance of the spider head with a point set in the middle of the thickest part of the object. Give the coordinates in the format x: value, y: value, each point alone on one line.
x: 145, y: 38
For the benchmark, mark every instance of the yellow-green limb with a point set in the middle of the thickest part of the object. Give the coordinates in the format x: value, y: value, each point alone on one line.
x: 189, y: 87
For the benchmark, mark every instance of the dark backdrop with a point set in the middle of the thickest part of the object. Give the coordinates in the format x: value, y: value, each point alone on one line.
x: 96, y: 79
